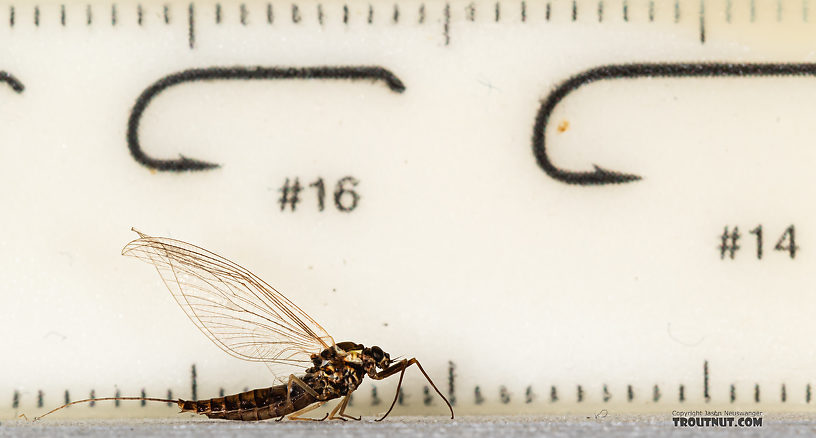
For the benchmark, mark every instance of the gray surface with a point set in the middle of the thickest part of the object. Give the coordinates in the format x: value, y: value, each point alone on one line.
x: 482, y: 426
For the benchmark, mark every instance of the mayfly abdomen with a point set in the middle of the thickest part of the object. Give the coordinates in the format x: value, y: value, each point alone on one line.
x: 254, y: 405
x: 257, y: 404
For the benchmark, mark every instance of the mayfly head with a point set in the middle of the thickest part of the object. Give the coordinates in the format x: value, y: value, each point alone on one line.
x: 374, y: 358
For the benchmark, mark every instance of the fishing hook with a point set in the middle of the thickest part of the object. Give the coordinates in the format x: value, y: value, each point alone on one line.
x: 600, y: 175
x: 230, y: 73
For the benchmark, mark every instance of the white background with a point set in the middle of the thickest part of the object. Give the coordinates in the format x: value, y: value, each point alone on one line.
x: 462, y: 249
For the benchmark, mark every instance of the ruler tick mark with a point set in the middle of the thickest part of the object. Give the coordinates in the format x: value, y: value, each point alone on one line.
x: 270, y: 14
x: 62, y: 15
x: 113, y: 14
x: 732, y: 393
x: 446, y: 26
x: 295, y: 14
x: 656, y: 394
x: 40, y: 398
x: 553, y: 394
x: 651, y: 11
x: 451, y: 382
x: 218, y: 13
x: 756, y: 392
x: 580, y: 394
x: 370, y: 18
x: 497, y: 16
x: 11, y: 16
x: 478, y: 398
x: 548, y: 11
x: 345, y: 14
x: 193, y: 383
x: 504, y: 394
x: 625, y: 11
x: 166, y: 10
x: 523, y: 11
x: 601, y: 10
x: 422, y: 13
x: 245, y: 13
x: 470, y: 12
x: 574, y: 10
x: 191, y: 26
x: 784, y: 394
x: 706, y: 393
x: 37, y: 16
x: 807, y: 393
x: 139, y: 14
x: 396, y: 13
x: 702, y: 22
x: 676, y: 11
x: 88, y: 15
x: 143, y: 403
x: 320, y: 13
x: 15, y: 400
x: 681, y: 393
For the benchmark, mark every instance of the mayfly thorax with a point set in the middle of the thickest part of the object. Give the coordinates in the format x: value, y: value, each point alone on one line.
x: 250, y: 320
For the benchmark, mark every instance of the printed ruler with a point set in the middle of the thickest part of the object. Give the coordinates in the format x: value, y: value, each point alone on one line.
x: 557, y: 206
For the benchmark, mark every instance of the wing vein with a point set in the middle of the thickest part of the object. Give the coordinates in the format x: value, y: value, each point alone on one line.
x: 239, y: 312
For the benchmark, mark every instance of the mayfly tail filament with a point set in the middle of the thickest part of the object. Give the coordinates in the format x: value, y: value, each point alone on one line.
x: 87, y: 400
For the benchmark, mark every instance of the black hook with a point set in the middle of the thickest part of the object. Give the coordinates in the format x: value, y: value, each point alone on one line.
x: 219, y: 73
x: 603, y: 176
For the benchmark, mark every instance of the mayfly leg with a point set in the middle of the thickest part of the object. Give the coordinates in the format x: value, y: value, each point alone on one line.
x: 400, y: 368
x: 295, y: 379
x: 342, y: 408
x: 297, y: 415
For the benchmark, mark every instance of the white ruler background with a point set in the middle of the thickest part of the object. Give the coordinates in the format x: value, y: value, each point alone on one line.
x: 470, y: 246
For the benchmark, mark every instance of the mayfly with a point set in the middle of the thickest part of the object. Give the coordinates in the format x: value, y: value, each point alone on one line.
x: 250, y: 320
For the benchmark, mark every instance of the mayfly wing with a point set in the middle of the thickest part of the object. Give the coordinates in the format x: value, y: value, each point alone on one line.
x: 238, y: 311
